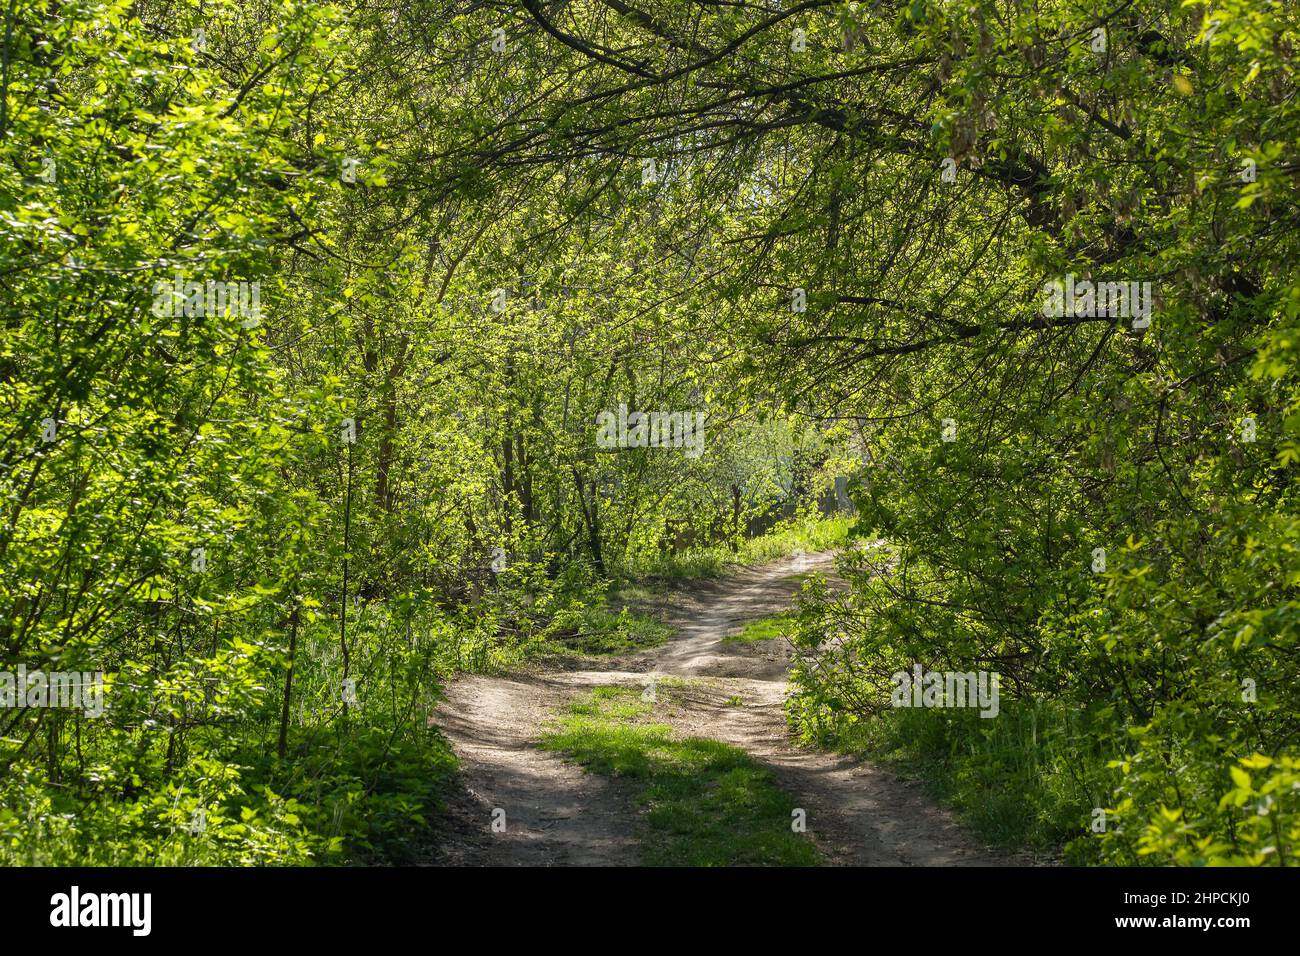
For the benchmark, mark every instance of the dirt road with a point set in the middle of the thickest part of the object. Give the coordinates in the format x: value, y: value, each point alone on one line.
x: 557, y: 814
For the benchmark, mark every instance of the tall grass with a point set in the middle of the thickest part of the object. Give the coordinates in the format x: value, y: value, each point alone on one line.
x: 1018, y: 781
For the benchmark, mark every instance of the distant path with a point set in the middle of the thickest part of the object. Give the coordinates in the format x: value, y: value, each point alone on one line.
x: 557, y: 814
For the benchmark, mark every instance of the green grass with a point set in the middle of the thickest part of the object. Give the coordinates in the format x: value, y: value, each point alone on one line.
x: 597, y: 629
x: 764, y: 628
x: 803, y: 534
x: 640, y: 592
x: 704, y: 803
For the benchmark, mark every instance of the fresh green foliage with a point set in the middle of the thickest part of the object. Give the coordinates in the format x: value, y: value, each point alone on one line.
x: 829, y: 234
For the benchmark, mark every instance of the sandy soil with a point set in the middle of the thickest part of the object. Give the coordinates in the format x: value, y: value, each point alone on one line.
x: 557, y: 814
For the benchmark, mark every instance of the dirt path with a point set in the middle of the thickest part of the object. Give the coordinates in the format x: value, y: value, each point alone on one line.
x: 557, y: 814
